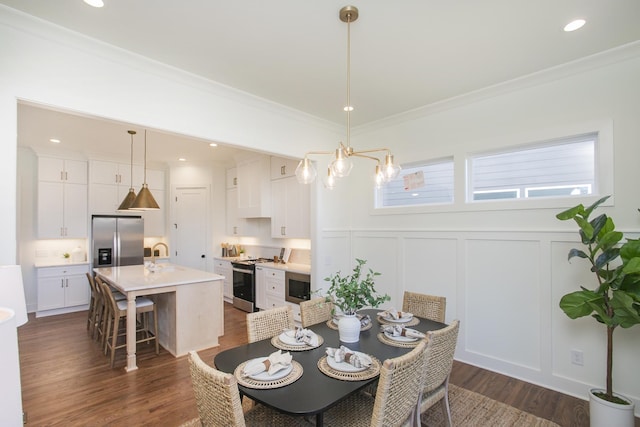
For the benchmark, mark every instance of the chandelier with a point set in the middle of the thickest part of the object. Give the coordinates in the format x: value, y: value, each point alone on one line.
x: 341, y: 164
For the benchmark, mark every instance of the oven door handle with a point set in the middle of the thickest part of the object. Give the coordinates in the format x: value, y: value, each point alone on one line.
x: 240, y: 270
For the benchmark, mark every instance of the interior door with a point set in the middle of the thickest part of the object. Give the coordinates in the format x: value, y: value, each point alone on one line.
x: 190, y: 227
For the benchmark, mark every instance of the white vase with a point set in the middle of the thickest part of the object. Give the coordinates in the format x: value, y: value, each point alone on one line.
x: 349, y: 328
x: 603, y: 413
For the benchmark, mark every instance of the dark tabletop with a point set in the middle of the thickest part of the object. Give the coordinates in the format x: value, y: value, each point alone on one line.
x: 314, y: 392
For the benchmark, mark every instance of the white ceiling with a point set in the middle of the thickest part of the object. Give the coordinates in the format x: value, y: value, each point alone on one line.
x: 405, y: 54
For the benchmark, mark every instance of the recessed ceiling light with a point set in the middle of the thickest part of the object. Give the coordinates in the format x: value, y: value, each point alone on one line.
x: 55, y: 140
x: 94, y: 3
x: 574, y: 25
x: 182, y: 159
x: 213, y: 144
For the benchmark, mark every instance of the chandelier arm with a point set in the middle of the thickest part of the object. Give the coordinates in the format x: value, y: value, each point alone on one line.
x: 310, y: 153
x: 359, y: 154
x: 373, y: 150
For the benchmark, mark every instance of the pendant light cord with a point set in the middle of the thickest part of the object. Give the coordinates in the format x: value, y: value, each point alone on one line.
x: 349, y: 107
x: 145, y: 157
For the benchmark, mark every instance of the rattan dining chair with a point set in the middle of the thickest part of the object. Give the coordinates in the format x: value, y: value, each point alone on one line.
x: 219, y: 404
x: 439, y: 361
x: 117, y: 311
x: 425, y: 306
x: 396, y: 397
x: 269, y: 323
x: 314, y: 311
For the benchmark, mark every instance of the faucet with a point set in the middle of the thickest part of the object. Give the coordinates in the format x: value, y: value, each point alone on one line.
x: 153, y: 251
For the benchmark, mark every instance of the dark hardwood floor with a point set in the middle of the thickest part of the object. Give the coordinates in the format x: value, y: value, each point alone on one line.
x: 67, y: 381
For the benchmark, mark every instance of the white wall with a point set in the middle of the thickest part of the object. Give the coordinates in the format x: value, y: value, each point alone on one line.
x: 503, y: 271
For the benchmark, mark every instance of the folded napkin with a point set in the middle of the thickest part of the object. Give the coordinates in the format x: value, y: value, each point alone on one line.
x: 365, y: 320
x: 344, y: 354
x: 306, y: 336
x: 395, y: 314
x: 401, y: 331
x: 275, y: 362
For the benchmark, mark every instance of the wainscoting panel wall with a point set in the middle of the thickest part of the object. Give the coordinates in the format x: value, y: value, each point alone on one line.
x: 505, y: 287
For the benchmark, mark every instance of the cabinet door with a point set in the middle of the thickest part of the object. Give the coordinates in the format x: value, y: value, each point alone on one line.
x: 232, y: 178
x: 75, y: 171
x: 283, y: 168
x: 105, y: 198
x: 104, y: 172
x: 76, y: 290
x: 50, y: 210
x: 254, y: 188
x: 223, y: 268
x: 50, y: 292
x: 261, y: 295
x: 75, y: 210
x: 50, y: 169
x: 290, y: 211
x: 155, y: 179
x: 232, y: 212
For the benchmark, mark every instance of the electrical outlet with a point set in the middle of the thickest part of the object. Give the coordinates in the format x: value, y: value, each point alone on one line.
x: 577, y: 358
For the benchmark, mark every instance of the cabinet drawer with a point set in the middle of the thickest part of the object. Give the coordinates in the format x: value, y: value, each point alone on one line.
x: 274, y: 274
x: 62, y: 270
x: 275, y: 288
x: 273, y: 302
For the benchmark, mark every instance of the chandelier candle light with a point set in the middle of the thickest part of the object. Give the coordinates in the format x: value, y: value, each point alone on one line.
x: 341, y: 164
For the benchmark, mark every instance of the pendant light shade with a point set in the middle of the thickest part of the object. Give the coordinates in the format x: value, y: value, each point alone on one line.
x: 131, y: 195
x: 145, y: 201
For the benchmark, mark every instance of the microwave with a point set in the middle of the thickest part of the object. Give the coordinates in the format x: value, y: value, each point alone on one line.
x: 297, y: 287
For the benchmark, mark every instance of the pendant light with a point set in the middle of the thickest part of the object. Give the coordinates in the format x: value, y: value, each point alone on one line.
x: 131, y: 195
x: 145, y: 201
x: 341, y: 164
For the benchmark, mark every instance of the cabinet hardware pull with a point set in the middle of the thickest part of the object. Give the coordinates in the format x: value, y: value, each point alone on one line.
x: 66, y: 177
x: 62, y: 283
x: 283, y: 170
x: 61, y: 175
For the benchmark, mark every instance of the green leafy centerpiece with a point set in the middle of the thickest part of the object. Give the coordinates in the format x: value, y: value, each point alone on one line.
x: 351, y: 293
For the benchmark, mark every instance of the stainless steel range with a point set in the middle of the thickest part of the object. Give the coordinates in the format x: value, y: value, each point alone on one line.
x: 244, y: 283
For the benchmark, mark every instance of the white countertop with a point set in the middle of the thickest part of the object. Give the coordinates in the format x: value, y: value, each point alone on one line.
x: 296, y: 268
x: 138, y: 277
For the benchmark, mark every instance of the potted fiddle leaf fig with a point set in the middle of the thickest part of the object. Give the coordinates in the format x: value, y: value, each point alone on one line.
x: 351, y: 293
x: 614, y: 302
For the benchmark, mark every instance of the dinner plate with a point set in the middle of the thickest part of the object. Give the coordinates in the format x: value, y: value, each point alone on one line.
x: 400, y: 338
x: 264, y: 375
x: 289, y: 338
x: 404, y: 319
x: 343, y: 366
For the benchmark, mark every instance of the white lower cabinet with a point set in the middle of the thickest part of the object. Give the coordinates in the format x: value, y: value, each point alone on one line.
x: 295, y: 308
x: 62, y: 289
x: 274, y: 287
x: 261, y: 289
x: 225, y: 269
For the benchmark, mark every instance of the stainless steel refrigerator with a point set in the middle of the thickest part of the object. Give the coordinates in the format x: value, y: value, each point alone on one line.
x: 117, y: 240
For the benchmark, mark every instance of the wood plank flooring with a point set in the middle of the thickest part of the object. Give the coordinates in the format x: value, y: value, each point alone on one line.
x: 67, y: 381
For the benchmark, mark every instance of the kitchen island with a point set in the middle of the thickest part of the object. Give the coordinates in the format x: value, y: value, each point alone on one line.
x: 190, y: 310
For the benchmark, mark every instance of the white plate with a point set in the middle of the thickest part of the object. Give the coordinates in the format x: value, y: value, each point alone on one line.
x: 264, y: 375
x: 400, y: 338
x: 406, y: 318
x: 343, y: 366
x: 289, y: 338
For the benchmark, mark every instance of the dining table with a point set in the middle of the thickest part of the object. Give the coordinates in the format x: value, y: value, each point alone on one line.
x: 314, y: 392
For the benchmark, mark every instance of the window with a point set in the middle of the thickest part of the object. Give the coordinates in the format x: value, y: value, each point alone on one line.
x: 419, y: 184
x: 563, y: 167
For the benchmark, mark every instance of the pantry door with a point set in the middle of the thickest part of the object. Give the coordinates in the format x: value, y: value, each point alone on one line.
x: 190, y: 227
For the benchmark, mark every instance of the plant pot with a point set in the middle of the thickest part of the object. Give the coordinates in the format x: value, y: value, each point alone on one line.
x: 349, y: 328
x: 604, y: 413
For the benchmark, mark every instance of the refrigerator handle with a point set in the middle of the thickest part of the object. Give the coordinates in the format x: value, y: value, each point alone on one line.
x: 116, y: 248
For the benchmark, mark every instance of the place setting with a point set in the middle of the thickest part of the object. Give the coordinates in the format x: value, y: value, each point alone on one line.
x: 400, y: 336
x: 345, y: 364
x: 298, y: 339
x: 394, y: 317
x: 273, y: 371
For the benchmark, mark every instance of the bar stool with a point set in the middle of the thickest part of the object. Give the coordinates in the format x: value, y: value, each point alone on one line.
x: 116, y: 311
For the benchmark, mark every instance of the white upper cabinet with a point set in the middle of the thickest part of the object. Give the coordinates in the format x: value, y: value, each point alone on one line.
x: 254, y: 188
x: 290, y: 210
x: 283, y: 168
x: 62, y: 198
x: 237, y: 226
